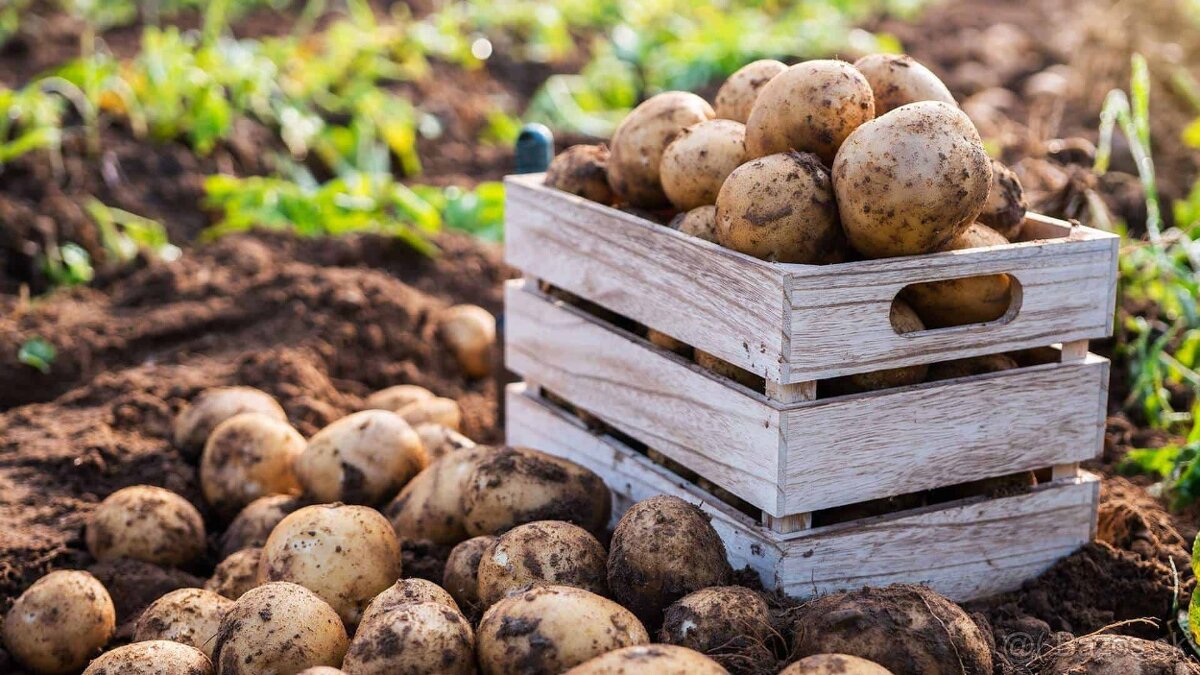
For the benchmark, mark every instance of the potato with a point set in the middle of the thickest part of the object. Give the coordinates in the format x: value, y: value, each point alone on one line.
x: 910, y: 181
x: 430, y: 506
x: 60, y: 622
x: 512, y: 486
x: 955, y: 302
x: 1112, y: 654
x: 700, y: 222
x: 322, y: 670
x: 904, y: 628
x: 639, y: 142
x: 406, y: 592
x: 781, y: 207
x: 248, y: 456
x: 657, y: 659
x: 423, y: 637
x: 156, y: 657
x: 810, y: 107
x: 437, y: 410
x: 737, y: 94
x: 975, y: 365
x: 726, y: 369
x: 146, y: 523
x: 667, y: 342
x: 904, y: 320
x: 720, y: 619
x: 196, y: 422
x: 345, y: 554
x: 397, y: 397
x: 542, y: 553
x: 461, y: 574
x: 552, y: 628
x: 1004, y: 210
x: 253, y: 524
x: 440, y: 441
x: 236, y: 574
x: 834, y: 664
x: 362, y: 458
x: 897, y: 79
x: 278, y: 629
x: 190, y: 616
x: 582, y: 170
x: 695, y: 164
x: 470, y: 333
x: 663, y: 549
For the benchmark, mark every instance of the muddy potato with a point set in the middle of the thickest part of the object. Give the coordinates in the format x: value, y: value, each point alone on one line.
x: 1004, y: 210
x: 278, y: 629
x: 406, y: 592
x: 345, y: 554
x: 645, y: 569
x: 552, y: 628
x: 542, y: 553
x: 59, y: 622
x: 416, y: 638
x: 196, y: 422
x: 512, y: 486
x: 904, y: 320
x: 638, y: 145
x: 810, y: 107
x: 461, y: 575
x: 156, y: 657
x: 397, y: 397
x: 582, y: 170
x: 362, y: 458
x: 834, y: 664
x: 781, y: 208
x: 146, y: 523
x: 695, y: 164
x: 955, y: 302
x: 720, y: 619
x: 436, y: 410
x: 253, y: 524
x: 645, y: 659
x: 737, y: 94
x: 700, y: 222
x: 248, y: 456
x: 910, y: 181
x: 430, y: 506
x: 975, y: 365
x: 236, y: 574
x: 470, y: 333
x: 1111, y: 654
x: 440, y: 441
x: 191, y: 616
x: 726, y: 369
x: 897, y: 79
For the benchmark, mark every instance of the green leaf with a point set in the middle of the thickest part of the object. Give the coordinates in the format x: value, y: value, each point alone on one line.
x: 37, y: 353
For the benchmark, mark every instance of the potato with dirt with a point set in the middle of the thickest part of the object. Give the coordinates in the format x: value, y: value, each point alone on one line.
x: 470, y: 333
x: 898, y: 79
x: 781, y: 208
x: 416, y: 638
x: 60, y: 622
x: 834, y: 664
x: 737, y: 94
x: 278, y: 629
x: 696, y: 163
x: 396, y: 397
x: 1004, y: 210
x: 810, y: 107
x: 156, y: 657
x: 362, y: 458
x: 253, y: 524
x: 721, y: 620
x: 406, y: 592
x: 236, y: 574
x: 973, y: 365
x: 196, y: 422
x: 910, y: 181
x: 637, y: 146
x: 904, y: 628
x: 461, y: 574
x: 146, y: 523
x: 190, y: 616
x: 440, y: 441
x: 975, y: 299
x: 657, y: 659
x: 430, y: 507
x: 1105, y: 654
x: 550, y: 629
x: 345, y: 554
x: 582, y: 170
x: 700, y: 222
x: 246, y: 457
x: 542, y: 553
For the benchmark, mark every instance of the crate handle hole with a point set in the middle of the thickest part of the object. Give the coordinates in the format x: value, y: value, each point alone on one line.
x: 981, y: 300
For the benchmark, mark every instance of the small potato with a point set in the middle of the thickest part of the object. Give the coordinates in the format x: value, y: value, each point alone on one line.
x: 236, y: 574
x: 955, y: 302
x: 430, y: 506
x: 196, y: 422
x: 277, y: 629
x: 254, y: 523
x: 695, y: 164
x: 470, y: 333
x: 190, y: 616
x: 542, y: 553
x: 362, y: 458
x: 736, y: 96
x: 423, y: 637
x: 146, y: 523
x: 397, y: 397
x: 1005, y: 208
x: 512, y: 486
x: 781, y: 208
x: 639, y: 142
x: 657, y: 659
x: 700, y: 222
x: 898, y: 79
x: 835, y: 664
x: 975, y: 365
x: 582, y: 170
x: 461, y: 575
x: 248, y: 456
x: 551, y: 629
x: 156, y: 657
x: 437, y: 410
x: 904, y: 320
x: 719, y: 619
x: 345, y: 554
x: 440, y: 441
x: 60, y: 622
x: 646, y: 562
x: 810, y: 107
x: 406, y: 592
x: 726, y: 369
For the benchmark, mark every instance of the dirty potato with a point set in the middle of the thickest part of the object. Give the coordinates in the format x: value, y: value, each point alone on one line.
x: 461, y: 574
x: 422, y: 637
x: 406, y: 592
x: 191, y: 616
x: 253, y: 524
x: 696, y: 163
x: 700, y: 222
x: 657, y: 659
x: 430, y: 507
x: 362, y: 458
x: 1005, y: 208
x: 146, y: 523
x: 542, y: 553
x: 737, y: 94
x: 60, y: 622
x: 582, y: 170
x: 834, y: 664
x: 156, y: 657
x: 278, y: 629
x: 248, y: 456
x: 397, y: 397
x: 1111, y: 654
x: 974, y: 365
x: 720, y: 619
x: 196, y: 422
x: 976, y: 299
x: 639, y: 142
x: 236, y: 574
x: 440, y: 441
x: 470, y: 333
x: 898, y: 79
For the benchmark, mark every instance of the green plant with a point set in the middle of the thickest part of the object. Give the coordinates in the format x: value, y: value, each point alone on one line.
x: 30, y: 119
x: 37, y: 353
x: 123, y: 234
x: 67, y: 265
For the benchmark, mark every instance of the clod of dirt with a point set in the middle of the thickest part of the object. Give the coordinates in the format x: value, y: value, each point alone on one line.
x: 1118, y: 654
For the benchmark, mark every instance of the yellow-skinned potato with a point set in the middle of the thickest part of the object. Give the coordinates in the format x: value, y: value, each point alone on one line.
x: 955, y: 302
x: 60, y: 622
x: 898, y: 79
x: 695, y: 164
x: 278, y: 629
x: 716, y: 618
x: 146, y: 523
x: 430, y: 506
x: 423, y: 637
x: 910, y: 181
x: 736, y: 96
x: 345, y: 554
x: 440, y: 441
x: 236, y: 574
x: 904, y: 320
x: 156, y: 657
x: 436, y: 410
x: 470, y: 333
x: 542, y: 553
x: 646, y: 659
x: 191, y: 616
x: 248, y: 456
x: 253, y: 524
x: 700, y: 222
x: 638, y: 144
x: 362, y: 458
x: 196, y: 422
x: 551, y: 629
x: 582, y: 170
x: 1005, y: 208
x: 810, y: 107
x: 835, y: 664
x: 461, y: 575
x: 397, y: 397
x: 406, y: 592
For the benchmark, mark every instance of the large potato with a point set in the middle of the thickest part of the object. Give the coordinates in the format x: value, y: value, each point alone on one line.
x: 406, y: 592
x: 639, y: 141
x: 248, y: 456
x: 279, y: 629
x: 657, y: 659
x: 552, y: 628
x: 213, y: 406
x: 191, y: 616
x: 397, y: 397
x: 695, y: 164
x: 430, y: 507
x: 955, y: 302
x: 236, y: 574
x: 146, y: 523
x: 416, y: 638
x: 1005, y: 208
x: 834, y: 664
x: 542, y: 553
x: 720, y: 619
x: 156, y: 657
x: 461, y: 574
x: 440, y: 441
x: 910, y: 181
x: 897, y: 79
x: 362, y: 458
x: 60, y: 622
x: 781, y: 207
x: 470, y: 333
x: 345, y: 554
x: 810, y: 107
x: 582, y: 170
x: 253, y: 524
x: 738, y: 93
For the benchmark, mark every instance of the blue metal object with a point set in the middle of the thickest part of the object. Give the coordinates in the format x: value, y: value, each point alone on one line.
x: 535, y: 148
